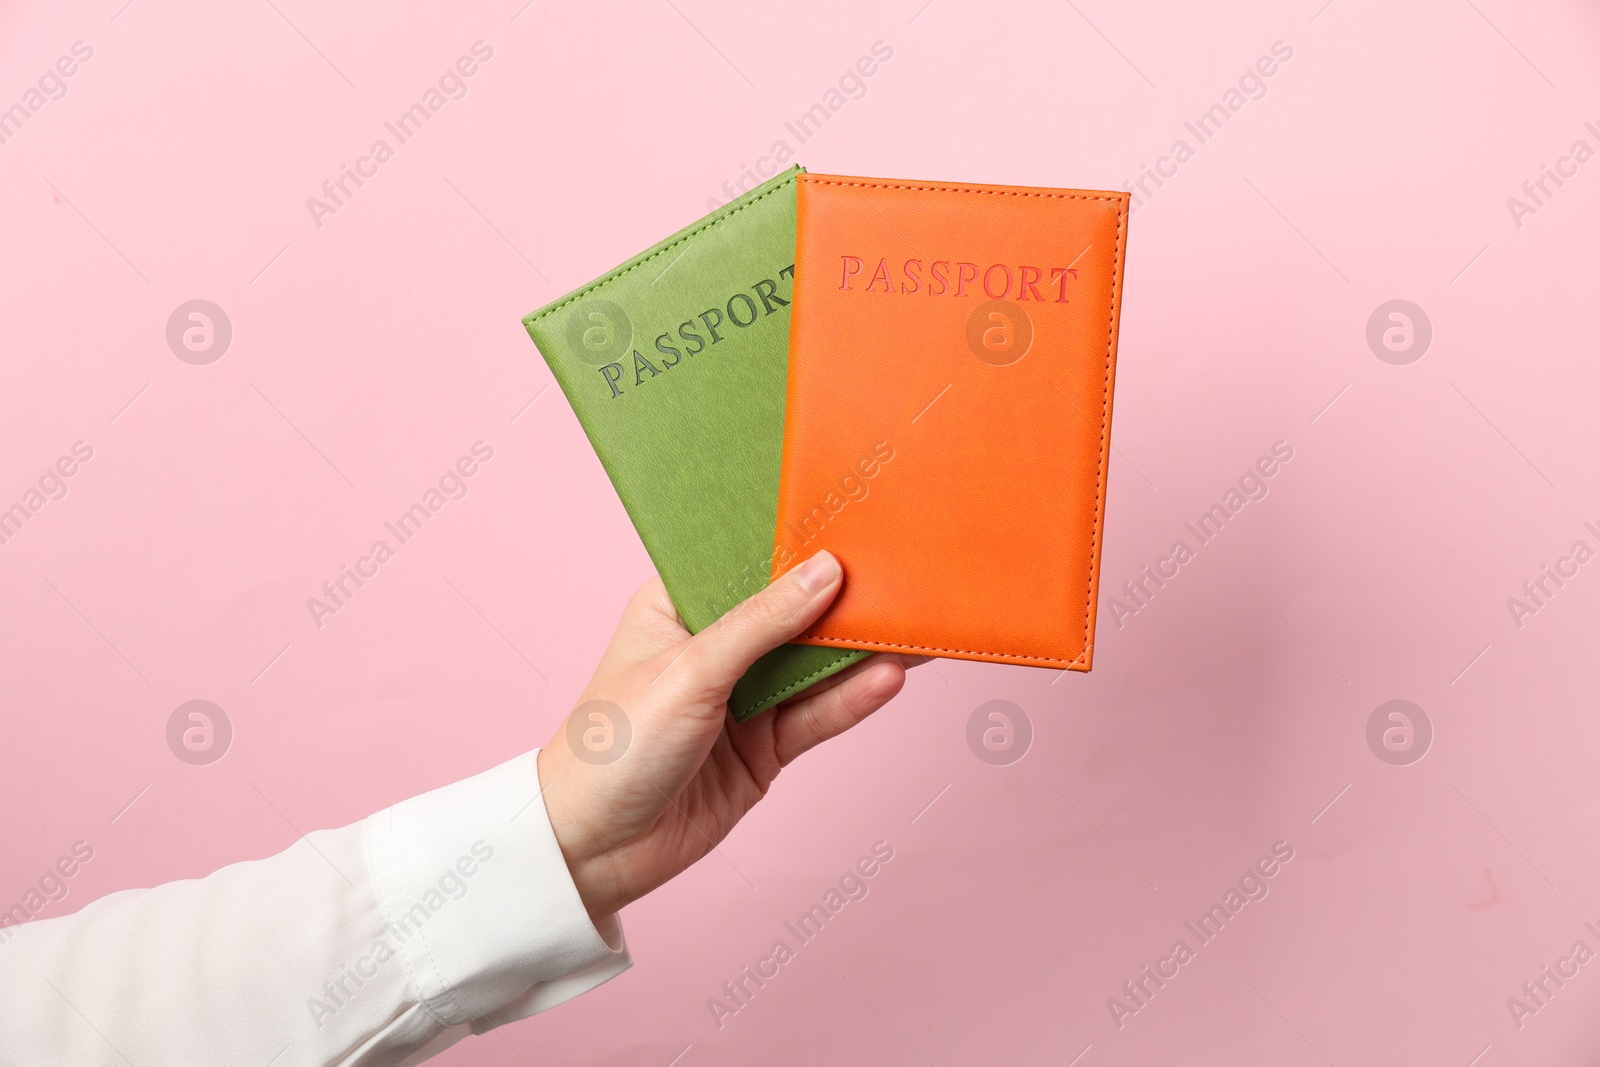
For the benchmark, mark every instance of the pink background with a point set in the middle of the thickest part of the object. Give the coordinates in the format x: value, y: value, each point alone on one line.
x: 1225, y: 716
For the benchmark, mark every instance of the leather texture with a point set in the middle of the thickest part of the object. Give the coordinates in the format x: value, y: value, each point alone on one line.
x: 952, y: 353
x: 675, y: 364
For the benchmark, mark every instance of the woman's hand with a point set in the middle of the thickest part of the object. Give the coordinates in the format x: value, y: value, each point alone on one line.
x: 687, y: 772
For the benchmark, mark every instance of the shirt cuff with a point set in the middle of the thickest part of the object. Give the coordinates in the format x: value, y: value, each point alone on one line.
x: 479, y: 905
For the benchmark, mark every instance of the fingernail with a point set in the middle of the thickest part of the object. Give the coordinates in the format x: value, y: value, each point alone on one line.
x: 817, y: 572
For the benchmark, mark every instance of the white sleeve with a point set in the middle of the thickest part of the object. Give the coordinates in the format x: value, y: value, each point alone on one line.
x: 381, y: 943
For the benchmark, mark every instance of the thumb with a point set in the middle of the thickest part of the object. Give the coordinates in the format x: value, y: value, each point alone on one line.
x: 719, y: 655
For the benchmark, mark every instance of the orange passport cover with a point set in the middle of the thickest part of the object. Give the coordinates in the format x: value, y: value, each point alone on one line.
x: 948, y: 424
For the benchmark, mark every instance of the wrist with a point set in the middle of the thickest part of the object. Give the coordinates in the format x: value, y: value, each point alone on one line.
x: 589, y: 864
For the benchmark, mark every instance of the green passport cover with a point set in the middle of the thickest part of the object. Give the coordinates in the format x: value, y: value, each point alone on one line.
x: 676, y: 364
